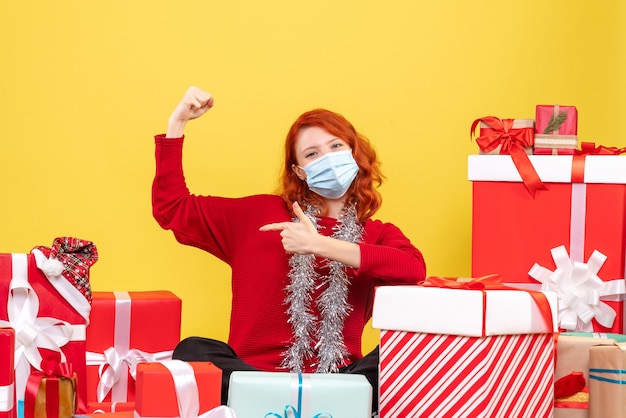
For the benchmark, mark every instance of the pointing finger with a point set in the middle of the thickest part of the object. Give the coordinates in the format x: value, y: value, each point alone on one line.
x: 279, y: 226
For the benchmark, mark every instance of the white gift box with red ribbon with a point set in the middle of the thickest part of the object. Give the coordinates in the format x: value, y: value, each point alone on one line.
x: 456, y: 352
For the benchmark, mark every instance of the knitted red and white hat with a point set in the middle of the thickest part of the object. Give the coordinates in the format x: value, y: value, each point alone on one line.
x: 71, y: 259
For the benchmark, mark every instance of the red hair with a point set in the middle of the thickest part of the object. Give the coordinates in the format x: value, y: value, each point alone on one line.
x: 362, y: 192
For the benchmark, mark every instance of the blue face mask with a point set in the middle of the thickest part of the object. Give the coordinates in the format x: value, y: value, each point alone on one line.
x: 332, y: 174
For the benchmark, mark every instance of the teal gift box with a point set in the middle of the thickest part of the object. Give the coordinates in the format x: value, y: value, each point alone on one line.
x: 303, y: 395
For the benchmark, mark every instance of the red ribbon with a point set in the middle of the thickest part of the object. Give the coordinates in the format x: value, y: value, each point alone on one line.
x: 569, y: 385
x: 513, y: 142
x: 589, y: 148
x: 492, y: 282
x: 52, y: 371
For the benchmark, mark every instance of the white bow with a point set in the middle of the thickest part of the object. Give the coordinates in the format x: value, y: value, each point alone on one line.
x: 115, y: 366
x: 31, y: 332
x: 580, y: 290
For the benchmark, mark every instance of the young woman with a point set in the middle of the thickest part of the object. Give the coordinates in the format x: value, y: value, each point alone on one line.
x: 304, y: 261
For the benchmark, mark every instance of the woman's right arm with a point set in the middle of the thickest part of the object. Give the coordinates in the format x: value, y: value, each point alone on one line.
x: 173, y: 207
x: 194, y: 104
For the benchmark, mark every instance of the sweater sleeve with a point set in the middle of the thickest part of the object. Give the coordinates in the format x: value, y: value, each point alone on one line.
x: 194, y: 220
x: 391, y: 258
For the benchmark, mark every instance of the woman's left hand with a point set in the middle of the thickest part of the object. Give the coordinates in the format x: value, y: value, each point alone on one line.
x: 297, y: 237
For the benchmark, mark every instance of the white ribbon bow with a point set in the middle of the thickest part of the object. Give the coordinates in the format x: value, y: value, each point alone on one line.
x: 187, y: 393
x: 580, y: 290
x: 31, y: 332
x: 115, y: 366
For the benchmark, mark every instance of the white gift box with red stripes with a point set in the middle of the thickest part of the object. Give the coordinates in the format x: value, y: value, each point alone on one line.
x: 464, y: 353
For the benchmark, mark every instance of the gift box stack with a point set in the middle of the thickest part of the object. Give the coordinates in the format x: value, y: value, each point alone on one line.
x: 465, y: 348
x: 95, y: 353
x: 80, y: 351
x: 555, y: 219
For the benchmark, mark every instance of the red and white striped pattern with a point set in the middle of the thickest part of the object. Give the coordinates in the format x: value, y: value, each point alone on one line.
x: 434, y: 375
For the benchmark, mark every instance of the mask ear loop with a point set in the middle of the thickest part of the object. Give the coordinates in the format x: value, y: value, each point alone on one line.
x: 300, y: 171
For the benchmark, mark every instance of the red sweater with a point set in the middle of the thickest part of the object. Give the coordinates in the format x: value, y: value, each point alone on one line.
x: 228, y: 228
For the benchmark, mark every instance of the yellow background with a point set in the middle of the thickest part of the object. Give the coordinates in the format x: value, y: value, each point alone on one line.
x: 85, y: 86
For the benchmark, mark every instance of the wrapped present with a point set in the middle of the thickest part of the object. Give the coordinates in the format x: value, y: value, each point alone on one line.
x: 514, y: 137
x: 573, y: 352
x: 556, y: 120
x: 497, y: 136
x: 573, y: 357
x: 173, y: 388
x: 476, y: 349
x: 128, y: 328
x: 51, y: 393
x: 556, y: 130
x: 281, y: 394
x: 48, y: 298
x: 583, y: 210
x: 8, y: 406
x: 607, y: 386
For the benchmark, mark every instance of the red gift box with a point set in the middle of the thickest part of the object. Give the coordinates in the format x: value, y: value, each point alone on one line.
x: 556, y: 130
x: 545, y: 114
x: 7, y: 373
x: 583, y: 209
x: 162, y: 387
x: 127, y: 328
x: 38, y: 304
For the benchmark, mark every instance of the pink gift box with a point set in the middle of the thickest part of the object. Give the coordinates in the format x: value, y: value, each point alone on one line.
x: 7, y: 373
x: 454, y: 352
x: 133, y: 327
x: 545, y: 113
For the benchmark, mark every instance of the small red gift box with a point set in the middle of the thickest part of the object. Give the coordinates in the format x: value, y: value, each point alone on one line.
x: 7, y: 373
x: 162, y: 387
x: 127, y: 328
x: 556, y: 120
x: 51, y: 393
x: 39, y: 305
x: 556, y: 130
x: 520, y: 130
x: 583, y: 210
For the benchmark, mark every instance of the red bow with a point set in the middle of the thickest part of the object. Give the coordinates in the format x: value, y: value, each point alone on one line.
x: 569, y: 385
x: 512, y: 142
x: 589, y: 148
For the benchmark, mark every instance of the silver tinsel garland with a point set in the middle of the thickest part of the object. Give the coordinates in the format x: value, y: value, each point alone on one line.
x: 322, y: 336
